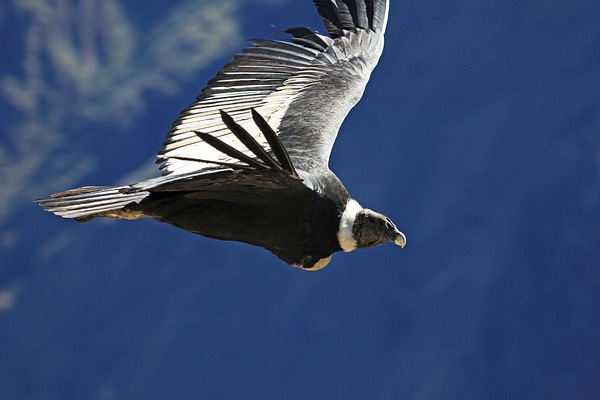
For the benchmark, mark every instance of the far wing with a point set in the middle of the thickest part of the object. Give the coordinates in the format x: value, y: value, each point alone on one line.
x: 303, y: 87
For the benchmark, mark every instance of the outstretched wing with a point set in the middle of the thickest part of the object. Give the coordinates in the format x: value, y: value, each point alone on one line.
x: 303, y: 87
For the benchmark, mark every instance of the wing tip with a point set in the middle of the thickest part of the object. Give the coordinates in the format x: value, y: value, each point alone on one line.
x: 347, y: 15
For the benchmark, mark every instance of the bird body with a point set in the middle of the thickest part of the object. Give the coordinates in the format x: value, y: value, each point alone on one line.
x: 248, y: 160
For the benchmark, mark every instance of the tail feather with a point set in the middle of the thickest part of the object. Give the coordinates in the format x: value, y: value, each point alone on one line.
x: 89, y: 202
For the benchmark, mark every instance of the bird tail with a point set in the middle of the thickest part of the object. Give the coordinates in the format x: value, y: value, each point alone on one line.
x: 89, y: 202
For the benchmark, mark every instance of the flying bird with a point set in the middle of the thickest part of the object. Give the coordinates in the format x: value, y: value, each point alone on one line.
x: 248, y: 160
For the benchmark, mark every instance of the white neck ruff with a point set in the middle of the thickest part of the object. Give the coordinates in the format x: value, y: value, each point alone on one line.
x: 345, y: 237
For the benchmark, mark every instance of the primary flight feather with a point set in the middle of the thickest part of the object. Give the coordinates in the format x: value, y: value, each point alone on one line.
x: 248, y: 160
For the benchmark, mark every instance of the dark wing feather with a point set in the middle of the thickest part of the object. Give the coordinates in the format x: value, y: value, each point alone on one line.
x: 349, y: 14
x: 249, y: 141
x: 276, y: 145
x: 331, y: 17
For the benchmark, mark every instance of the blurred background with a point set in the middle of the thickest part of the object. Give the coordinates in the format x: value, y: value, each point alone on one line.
x: 479, y: 135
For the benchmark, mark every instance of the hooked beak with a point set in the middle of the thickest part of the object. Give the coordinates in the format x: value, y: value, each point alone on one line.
x: 400, y: 239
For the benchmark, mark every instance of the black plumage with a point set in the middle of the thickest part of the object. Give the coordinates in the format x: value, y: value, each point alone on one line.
x: 247, y: 161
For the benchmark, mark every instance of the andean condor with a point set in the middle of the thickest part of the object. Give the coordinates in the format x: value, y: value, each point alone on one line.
x: 248, y: 160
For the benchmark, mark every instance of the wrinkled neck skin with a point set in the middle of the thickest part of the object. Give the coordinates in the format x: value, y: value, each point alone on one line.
x: 371, y: 229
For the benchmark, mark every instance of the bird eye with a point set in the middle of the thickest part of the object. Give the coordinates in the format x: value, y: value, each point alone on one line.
x: 372, y: 220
